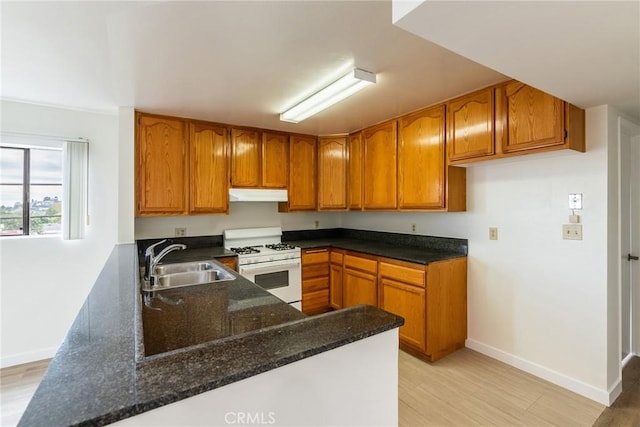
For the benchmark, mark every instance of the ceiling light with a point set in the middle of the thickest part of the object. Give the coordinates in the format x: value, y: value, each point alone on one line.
x: 337, y: 91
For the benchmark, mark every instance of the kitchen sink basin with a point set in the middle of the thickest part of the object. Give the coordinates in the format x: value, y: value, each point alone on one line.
x: 169, y: 276
x: 183, y: 267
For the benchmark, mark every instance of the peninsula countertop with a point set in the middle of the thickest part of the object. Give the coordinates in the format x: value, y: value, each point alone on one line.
x: 95, y: 379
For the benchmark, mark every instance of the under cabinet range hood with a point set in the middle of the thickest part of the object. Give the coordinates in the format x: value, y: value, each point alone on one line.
x: 257, y: 195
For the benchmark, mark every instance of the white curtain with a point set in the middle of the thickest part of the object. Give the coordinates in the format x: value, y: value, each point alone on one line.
x: 74, y: 202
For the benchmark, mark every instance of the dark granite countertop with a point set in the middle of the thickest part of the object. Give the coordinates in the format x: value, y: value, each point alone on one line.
x: 404, y: 247
x: 95, y: 379
x: 202, y: 247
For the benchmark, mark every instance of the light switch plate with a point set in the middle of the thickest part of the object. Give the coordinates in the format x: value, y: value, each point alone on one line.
x: 572, y: 231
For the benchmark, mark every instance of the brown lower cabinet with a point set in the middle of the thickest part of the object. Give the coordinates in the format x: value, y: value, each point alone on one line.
x: 431, y: 298
x: 433, y: 301
x: 315, y: 281
x: 229, y: 261
x: 335, y: 278
x: 359, y: 280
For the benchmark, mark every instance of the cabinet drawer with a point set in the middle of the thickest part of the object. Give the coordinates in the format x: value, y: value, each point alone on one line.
x: 315, y: 302
x: 336, y: 257
x: 315, y: 270
x: 402, y: 274
x: 317, y: 284
x: 315, y: 256
x: 360, y: 263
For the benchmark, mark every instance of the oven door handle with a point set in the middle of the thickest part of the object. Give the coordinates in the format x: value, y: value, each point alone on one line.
x: 270, y: 265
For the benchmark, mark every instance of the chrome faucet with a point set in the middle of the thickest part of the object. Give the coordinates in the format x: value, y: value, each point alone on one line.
x: 151, y: 260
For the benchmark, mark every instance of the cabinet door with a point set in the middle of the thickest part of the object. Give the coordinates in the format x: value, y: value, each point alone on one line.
x: 409, y: 302
x: 209, y: 166
x: 380, y: 166
x: 275, y: 160
x: 359, y: 288
x: 355, y: 171
x: 229, y: 261
x: 470, y: 126
x: 332, y: 173
x: 161, y: 166
x: 533, y: 118
x: 302, y: 175
x: 335, y: 291
x: 245, y: 158
x: 421, y: 160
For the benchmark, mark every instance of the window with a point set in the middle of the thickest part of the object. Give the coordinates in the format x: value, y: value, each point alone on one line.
x: 31, y: 191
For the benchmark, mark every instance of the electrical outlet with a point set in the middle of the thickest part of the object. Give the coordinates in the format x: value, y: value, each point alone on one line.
x: 493, y: 233
x: 413, y: 228
x: 317, y: 223
x: 572, y: 231
x: 180, y: 232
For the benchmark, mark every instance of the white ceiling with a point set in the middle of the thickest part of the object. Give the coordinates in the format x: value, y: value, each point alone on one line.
x: 238, y: 62
x: 586, y: 52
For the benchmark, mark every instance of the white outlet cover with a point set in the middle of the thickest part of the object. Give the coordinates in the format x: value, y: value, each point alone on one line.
x: 572, y: 231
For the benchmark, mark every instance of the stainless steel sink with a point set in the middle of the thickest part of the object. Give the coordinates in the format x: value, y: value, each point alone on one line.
x: 169, y: 276
x: 183, y: 267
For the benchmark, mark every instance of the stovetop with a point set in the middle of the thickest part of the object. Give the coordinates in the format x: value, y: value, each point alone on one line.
x: 257, y: 245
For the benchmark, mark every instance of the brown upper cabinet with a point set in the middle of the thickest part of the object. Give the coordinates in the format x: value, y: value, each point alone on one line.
x: 162, y: 168
x: 529, y: 119
x: 332, y: 173
x: 245, y: 158
x: 354, y: 185
x: 303, y: 161
x: 275, y: 160
x: 470, y: 126
x: 421, y: 160
x: 180, y: 173
x: 511, y: 119
x: 380, y: 166
x: 259, y: 159
x: 209, y: 166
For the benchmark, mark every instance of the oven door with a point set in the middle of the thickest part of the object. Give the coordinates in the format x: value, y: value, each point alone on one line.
x: 281, y: 278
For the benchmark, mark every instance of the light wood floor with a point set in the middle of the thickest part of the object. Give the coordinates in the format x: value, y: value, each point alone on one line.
x: 467, y: 388
x: 463, y: 389
x: 17, y: 385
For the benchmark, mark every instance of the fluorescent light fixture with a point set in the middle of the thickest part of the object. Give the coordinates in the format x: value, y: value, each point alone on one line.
x: 337, y: 91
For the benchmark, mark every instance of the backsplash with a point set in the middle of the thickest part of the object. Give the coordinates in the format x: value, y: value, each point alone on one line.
x: 241, y: 215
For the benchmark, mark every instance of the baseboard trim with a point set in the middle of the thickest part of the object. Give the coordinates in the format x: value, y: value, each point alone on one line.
x: 605, y: 397
x: 627, y: 359
x: 28, y: 357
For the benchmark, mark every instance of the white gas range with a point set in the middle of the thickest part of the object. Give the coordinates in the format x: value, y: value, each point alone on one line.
x: 266, y: 261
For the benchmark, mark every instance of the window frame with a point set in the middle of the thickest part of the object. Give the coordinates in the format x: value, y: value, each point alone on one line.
x: 26, y: 190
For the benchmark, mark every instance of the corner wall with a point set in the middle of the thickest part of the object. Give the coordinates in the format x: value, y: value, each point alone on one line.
x: 534, y: 300
x: 44, y: 280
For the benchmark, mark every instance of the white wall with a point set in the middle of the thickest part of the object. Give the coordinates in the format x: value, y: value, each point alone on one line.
x: 126, y: 190
x: 44, y: 280
x: 534, y: 300
x: 241, y: 215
